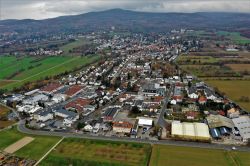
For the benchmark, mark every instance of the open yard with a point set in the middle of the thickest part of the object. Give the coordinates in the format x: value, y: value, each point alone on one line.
x: 14, y: 71
x: 163, y: 155
x: 34, y: 150
x: 234, y: 89
x: 74, y: 151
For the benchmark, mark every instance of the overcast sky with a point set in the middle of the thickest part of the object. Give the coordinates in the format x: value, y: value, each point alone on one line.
x: 40, y: 9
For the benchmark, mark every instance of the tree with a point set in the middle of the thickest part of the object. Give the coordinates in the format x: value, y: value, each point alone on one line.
x: 135, y: 110
x: 80, y: 126
x: 129, y: 87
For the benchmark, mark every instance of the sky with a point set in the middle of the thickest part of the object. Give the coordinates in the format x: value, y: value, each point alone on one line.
x: 41, y: 9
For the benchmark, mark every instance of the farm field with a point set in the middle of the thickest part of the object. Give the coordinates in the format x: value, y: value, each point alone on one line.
x: 234, y: 36
x: 66, y: 48
x: 14, y: 71
x: 34, y: 150
x: 73, y: 151
x: 174, y: 155
x: 239, y: 67
x: 234, y: 89
x: 4, y: 122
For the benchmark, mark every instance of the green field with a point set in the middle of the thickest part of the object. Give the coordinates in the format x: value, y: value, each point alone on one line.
x: 34, y: 150
x: 66, y: 48
x: 26, y: 69
x: 234, y: 89
x: 234, y: 36
x: 74, y: 151
x: 186, y: 156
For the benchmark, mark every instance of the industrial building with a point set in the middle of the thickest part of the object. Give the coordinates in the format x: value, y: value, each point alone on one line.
x: 190, y: 131
x: 242, y: 124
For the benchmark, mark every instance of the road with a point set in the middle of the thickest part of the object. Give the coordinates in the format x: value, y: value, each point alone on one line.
x: 161, y: 120
x: 23, y: 129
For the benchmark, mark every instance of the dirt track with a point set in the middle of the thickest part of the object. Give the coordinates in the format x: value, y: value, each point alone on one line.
x: 18, y: 145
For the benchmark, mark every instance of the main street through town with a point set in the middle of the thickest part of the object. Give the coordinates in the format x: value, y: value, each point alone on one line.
x: 22, y: 128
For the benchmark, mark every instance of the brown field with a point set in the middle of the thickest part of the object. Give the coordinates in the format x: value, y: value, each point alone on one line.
x: 5, y: 82
x: 3, y: 111
x: 4, y: 124
x: 239, y: 67
x: 18, y: 145
x: 233, y: 89
x: 3, y: 117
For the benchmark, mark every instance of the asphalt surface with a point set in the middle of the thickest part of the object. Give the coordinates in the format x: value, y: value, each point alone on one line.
x: 161, y: 120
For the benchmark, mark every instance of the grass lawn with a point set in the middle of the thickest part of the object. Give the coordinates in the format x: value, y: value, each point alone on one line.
x: 40, y: 69
x: 234, y: 89
x: 163, y: 155
x: 73, y: 151
x: 34, y: 150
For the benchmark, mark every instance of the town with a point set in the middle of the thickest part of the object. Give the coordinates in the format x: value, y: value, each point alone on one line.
x: 137, y: 91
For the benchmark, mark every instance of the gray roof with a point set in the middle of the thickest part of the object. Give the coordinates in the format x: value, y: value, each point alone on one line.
x: 44, y: 113
x: 65, y: 112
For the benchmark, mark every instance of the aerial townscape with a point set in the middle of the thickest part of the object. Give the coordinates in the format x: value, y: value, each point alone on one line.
x: 114, y: 88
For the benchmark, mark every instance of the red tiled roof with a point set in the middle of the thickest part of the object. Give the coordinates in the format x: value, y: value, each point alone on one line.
x: 202, y: 99
x: 122, y: 124
x: 73, y: 90
x: 78, y: 104
x: 51, y: 87
x: 191, y: 113
x: 158, y: 98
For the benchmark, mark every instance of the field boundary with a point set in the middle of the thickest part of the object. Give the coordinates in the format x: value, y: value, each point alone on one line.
x: 41, y: 72
x: 47, y: 153
x: 18, y: 144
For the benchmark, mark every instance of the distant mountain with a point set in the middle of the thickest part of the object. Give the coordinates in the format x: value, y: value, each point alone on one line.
x: 128, y: 20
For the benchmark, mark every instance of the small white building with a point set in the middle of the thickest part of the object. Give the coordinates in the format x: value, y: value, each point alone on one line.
x: 43, y: 116
x: 88, y: 128
x: 145, y: 122
x: 57, y: 98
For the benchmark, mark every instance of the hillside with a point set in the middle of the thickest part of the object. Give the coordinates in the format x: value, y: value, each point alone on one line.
x: 129, y: 20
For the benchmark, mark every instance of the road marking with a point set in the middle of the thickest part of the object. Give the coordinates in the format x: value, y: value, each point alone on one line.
x: 46, y: 154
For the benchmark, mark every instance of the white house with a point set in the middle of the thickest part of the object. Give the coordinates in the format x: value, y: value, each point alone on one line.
x: 43, y: 116
x: 88, y: 128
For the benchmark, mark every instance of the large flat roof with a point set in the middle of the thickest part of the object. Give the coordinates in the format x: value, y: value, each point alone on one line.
x: 243, y: 124
x: 190, y: 129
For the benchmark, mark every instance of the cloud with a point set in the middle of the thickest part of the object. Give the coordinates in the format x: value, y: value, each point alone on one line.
x: 40, y: 9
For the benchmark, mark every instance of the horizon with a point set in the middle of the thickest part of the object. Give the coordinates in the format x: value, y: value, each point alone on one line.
x: 45, y: 9
x: 120, y: 9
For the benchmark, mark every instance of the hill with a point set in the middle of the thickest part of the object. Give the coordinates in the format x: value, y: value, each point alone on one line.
x: 128, y: 21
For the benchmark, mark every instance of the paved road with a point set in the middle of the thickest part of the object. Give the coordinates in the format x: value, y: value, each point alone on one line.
x: 161, y: 120
x: 23, y: 129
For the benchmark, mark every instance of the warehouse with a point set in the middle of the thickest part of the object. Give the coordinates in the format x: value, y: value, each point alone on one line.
x: 243, y: 125
x: 217, y: 121
x: 192, y: 131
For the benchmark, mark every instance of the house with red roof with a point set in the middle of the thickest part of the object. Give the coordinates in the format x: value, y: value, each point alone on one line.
x: 202, y: 100
x: 51, y: 88
x: 74, y: 90
x: 79, y: 104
